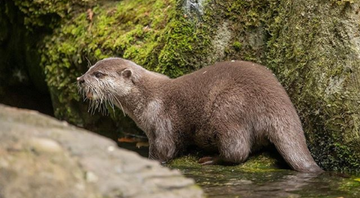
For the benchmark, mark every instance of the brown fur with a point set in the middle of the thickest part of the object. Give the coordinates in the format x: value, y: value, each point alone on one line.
x: 229, y: 107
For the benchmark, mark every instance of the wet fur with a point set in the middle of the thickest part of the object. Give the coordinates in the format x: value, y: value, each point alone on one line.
x: 230, y: 107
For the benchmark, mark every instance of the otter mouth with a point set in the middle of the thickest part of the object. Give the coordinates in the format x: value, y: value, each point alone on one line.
x: 98, y: 100
x: 89, y: 95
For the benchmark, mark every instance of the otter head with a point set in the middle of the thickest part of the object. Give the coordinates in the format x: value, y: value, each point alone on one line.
x: 107, y: 81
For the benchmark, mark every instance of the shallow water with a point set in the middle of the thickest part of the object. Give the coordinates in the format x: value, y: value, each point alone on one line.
x: 219, y: 182
x: 236, y: 181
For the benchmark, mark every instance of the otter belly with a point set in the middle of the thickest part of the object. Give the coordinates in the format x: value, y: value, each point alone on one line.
x: 205, y: 139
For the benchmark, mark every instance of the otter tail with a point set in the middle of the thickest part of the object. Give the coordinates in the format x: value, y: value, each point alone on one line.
x: 291, y: 144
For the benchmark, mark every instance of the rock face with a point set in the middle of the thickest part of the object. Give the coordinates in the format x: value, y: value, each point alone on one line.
x: 314, y: 50
x: 42, y: 157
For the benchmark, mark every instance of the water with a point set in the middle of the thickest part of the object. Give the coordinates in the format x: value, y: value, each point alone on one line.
x: 225, y: 182
x: 255, y: 180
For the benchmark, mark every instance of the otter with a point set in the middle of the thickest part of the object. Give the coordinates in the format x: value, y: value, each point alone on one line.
x: 230, y: 107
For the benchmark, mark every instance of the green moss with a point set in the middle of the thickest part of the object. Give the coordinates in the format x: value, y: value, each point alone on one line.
x: 183, y: 39
x: 47, y: 14
x: 112, y: 31
x: 349, y: 185
x: 261, y: 162
x: 185, y: 161
x: 237, y: 45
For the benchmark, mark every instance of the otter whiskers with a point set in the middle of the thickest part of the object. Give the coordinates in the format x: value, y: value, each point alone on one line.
x: 98, y: 99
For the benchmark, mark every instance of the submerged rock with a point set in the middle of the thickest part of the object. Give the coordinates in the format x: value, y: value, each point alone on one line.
x: 42, y: 157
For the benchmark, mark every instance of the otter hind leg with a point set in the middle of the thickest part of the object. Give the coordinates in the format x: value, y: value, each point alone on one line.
x: 234, y: 144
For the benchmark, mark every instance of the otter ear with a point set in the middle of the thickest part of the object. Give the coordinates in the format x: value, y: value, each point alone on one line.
x: 126, y: 73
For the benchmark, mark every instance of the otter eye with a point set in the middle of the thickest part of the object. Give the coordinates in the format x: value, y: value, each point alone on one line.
x: 98, y: 74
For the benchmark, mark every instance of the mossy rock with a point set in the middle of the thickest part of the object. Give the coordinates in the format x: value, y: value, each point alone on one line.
x: 314, y: 50
x: 259, y: 162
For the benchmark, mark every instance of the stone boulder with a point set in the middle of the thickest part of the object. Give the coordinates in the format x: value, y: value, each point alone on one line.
x: 42, y: 157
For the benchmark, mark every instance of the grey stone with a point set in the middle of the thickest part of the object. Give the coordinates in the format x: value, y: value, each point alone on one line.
x: 43, y: 157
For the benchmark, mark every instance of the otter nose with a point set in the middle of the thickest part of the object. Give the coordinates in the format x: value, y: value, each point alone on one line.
x: 80, y: 80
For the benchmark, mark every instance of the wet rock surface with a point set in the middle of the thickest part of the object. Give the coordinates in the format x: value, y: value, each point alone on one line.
x: 42, y: 157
